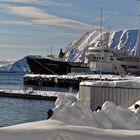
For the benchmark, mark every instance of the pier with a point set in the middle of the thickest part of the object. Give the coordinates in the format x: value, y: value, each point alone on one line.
x: 65, y: 81
x: 53, y: 80
x: 28, y: 95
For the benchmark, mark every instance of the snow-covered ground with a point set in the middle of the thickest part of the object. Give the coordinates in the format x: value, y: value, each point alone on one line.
x: 72, y: 120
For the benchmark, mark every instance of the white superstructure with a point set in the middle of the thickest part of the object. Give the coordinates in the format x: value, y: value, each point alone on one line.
x: 110, y: 60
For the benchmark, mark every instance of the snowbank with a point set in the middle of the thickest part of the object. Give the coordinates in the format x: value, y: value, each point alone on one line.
x: 56, y: 130
x: 72, y: 120
x: 73, y: 112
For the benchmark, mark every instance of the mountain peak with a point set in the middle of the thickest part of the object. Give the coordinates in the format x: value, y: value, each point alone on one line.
x: 20, y: 65
x: 124, y: 40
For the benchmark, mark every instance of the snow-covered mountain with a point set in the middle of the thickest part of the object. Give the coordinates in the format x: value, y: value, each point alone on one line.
x: 124, y: 40
x: 17, y: 66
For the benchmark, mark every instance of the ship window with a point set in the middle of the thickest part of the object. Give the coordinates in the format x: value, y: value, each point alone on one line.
x: 111, y: 58
x: 96, y: 51
x: 90, y: 51
x: 99, y: 58
x: 106, y: 51
x: 126, y: 66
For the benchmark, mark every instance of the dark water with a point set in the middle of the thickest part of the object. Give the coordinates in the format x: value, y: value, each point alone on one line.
x: 11, y: 80
x: 15, y: 111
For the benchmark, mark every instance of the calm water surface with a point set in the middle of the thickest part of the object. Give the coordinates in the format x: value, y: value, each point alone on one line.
x: 15, y: 111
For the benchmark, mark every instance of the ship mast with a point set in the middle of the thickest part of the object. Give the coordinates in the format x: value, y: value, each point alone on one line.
x: 101, y: 30
x: 51, y: 50
x: 101, y: 39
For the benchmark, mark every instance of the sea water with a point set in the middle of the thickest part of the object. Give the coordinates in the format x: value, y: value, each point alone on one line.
x: 11, y: 80
x: 14, y: 110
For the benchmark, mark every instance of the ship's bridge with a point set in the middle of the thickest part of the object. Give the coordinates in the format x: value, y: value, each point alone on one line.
x: 100, y: 54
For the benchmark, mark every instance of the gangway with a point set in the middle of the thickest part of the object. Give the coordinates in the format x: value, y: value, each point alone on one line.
x: 119, y: 69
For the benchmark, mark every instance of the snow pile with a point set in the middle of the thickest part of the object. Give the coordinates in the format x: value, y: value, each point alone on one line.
x: 119, y: 117
x: 56, y: 130
x: 124, y: 40
x: 69, y: 110
x: 74, y: 121
x: 69, y: 106
x: 73, y: 112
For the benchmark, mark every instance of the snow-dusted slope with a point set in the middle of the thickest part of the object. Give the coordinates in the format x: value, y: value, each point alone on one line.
x: 124, y: 40
x: 18, y: 66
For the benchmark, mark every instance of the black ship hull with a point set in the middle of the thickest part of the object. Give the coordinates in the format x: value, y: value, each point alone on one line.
x: 50, y: 66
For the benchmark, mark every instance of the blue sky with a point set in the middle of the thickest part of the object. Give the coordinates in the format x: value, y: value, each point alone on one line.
x: 32, y: 26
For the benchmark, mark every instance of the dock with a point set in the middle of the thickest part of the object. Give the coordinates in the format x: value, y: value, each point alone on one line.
x: 27, y: 95
x: 53, y: 80
x: 65, y: 81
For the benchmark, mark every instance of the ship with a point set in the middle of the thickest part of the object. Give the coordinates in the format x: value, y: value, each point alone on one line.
x: 55, y: 66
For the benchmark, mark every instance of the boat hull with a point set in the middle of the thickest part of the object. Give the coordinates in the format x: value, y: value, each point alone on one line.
x: 49, y: 66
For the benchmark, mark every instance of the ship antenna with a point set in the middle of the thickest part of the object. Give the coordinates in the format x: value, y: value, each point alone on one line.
x: 101, y: 40
x: 101, y: 30
x: 51, y: 50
